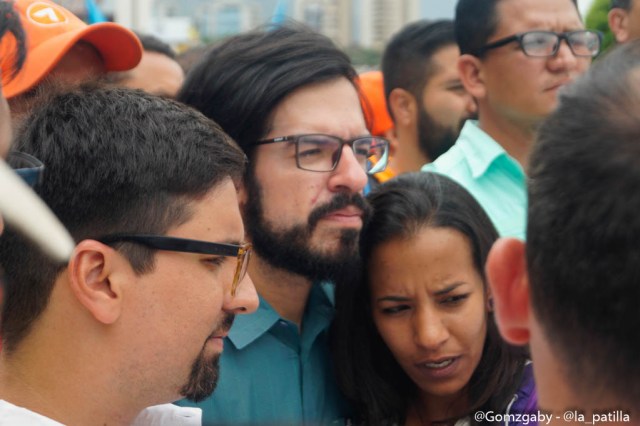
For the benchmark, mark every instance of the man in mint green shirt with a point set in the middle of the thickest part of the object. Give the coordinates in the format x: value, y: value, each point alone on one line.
x: 494, y: 178
x: 288, y: 97
x: 515, y: 57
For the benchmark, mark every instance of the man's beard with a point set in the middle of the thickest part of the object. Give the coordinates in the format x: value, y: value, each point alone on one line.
x: 203, y: 378
x: 289, y: 248
x: 434, y: 139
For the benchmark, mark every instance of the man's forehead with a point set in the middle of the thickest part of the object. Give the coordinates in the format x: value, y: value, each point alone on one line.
x: 443, y: 60
x: 321, y: 107
x: 219, y: 203
x: 537, y: 14
x: 321, y: 87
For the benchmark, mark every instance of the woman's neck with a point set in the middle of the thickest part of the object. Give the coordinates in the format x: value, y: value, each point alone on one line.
x: 429, y: 409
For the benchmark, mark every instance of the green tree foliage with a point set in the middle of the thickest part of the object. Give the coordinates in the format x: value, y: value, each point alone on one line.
x: 597, y: 20
x: 364, y: 58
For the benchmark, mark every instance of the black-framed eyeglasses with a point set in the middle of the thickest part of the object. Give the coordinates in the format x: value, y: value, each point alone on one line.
x: 321, y: 153
x: 242, y: 251
x: 28, y: 167
x: 542, y: 44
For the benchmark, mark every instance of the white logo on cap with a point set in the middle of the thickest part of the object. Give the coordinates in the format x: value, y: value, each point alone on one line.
x: 45, y: 14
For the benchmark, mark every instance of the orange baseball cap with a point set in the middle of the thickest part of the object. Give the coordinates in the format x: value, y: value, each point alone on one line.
x: 374, y: 104
x: 51, y: 31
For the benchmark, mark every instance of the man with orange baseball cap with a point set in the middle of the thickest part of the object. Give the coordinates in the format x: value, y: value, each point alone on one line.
x: 65, y: 50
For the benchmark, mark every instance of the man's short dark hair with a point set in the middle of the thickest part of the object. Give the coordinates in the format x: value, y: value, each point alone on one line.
x: 151, y: 43
x: 241, y: 81
x: 583, y: 234
x: 10, y: 22
x: 190, y: 57
x: 475, y: 22
x: 407, y: 59
x: 117, y: 161
x: 621, y: 4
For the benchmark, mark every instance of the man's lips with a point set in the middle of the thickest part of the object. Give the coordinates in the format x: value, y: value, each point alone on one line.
x: 219, y: 335
x: 221, y: 331
x: 217, y: 340
x: 347, y: 214
x: 559, y: 84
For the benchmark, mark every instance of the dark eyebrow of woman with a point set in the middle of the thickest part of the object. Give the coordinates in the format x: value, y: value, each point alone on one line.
x: 449, y: 288
x: 392, y: 299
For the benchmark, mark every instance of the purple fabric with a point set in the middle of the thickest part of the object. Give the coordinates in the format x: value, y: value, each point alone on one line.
x: 527, y: 398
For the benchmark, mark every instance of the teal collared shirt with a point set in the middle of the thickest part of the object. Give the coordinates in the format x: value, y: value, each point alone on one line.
x: 492, y: 176
x: 270, y: 374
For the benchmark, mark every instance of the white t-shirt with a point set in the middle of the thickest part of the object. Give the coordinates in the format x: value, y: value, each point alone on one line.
x: 157, y: 415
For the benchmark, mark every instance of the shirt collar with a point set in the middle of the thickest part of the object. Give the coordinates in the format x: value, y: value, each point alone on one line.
x: 248, y: 328
x: 480, y: 150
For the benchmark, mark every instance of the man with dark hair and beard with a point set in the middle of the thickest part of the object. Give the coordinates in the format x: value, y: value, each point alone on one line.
x: 425, y: 97
x: 288, y: 97
x: 137, y: 317
x: 516, y: 55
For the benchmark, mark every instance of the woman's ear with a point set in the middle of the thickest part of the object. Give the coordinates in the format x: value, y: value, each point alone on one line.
x: 509, y: 289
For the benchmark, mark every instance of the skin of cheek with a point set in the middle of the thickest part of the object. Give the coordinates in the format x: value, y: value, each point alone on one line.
x: 312, y: 190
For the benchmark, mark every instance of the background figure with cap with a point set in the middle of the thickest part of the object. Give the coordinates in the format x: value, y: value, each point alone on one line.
x: 63, y: 51
x: 12, y: 61
x: 20, y: 205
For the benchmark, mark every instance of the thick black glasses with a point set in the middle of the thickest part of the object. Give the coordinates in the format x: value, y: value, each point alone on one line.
x: 28, y: 167
x: 541, y: 44
x: 321, y: 153
x: 242, y: 252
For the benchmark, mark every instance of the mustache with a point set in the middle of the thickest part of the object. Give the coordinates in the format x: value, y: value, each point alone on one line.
x: 225, y: 325
x: 340, y: 201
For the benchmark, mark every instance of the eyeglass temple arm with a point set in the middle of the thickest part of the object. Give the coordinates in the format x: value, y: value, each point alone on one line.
x: 496, y: 44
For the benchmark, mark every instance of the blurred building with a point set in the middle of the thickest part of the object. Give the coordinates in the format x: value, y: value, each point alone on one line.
x: 332, y: 18
x: 363, y: 23
x: 218, y: 19
x: 380, y: 19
